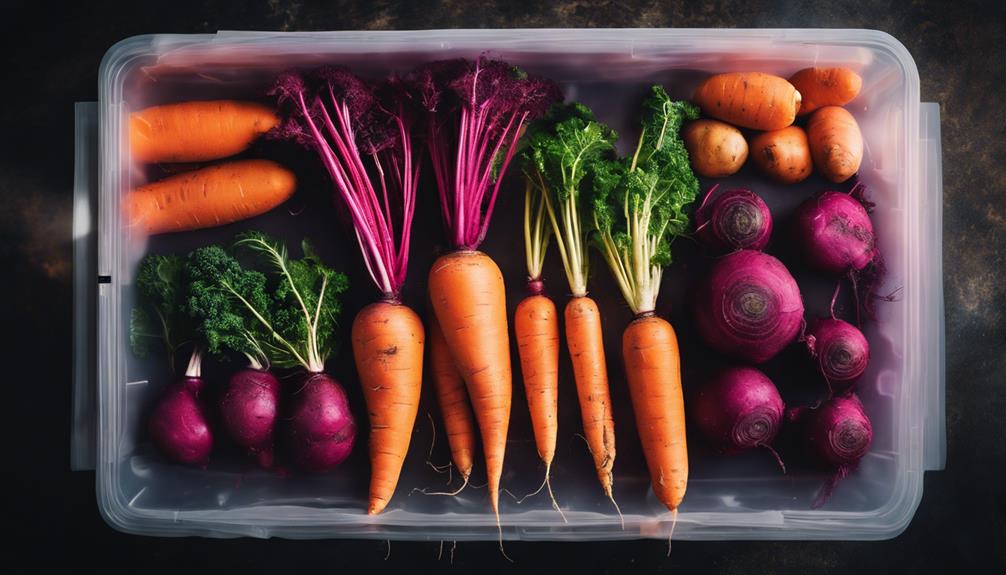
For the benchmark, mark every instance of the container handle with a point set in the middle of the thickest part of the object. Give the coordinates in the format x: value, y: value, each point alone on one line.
x: 934, y: 454
x: 83, y: 439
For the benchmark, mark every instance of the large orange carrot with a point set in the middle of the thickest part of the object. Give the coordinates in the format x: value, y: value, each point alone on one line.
x: 452, y: 398
x: 476, y: 114
x: 374, y: 173
x: 825, y: 87
x: 388, y: 349
x: 213, y: 196
x: 749, y: 100
x: 653, y: 372
x: 590, y: 370
x: 637, y: 246
x: 468, y: 296
x: 197, y: 131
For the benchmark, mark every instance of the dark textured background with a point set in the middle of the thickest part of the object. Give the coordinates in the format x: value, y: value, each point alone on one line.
x: 51, y: 55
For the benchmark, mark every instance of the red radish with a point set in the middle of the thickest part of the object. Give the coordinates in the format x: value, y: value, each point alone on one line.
x: 178, y: 423
x: 248, y: 411
x: 734, y: 220
x: 321, y: 428
x: 736, y: 409
x: 749, y: 307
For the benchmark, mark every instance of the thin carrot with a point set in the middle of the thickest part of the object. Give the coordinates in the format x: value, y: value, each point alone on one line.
x: 825, y: 87
x: 590, y: 371
x: 653, y: 372
x: 375, y: 174
x: 468, y: 296
x: 197, y: 131
x: 213, y: 196
x: 749, y: 100
x: 561, y: 150
x: 452, y: 398
x: 536, y: 327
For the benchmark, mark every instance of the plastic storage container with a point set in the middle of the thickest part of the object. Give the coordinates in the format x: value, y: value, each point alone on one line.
x: 743, y: 497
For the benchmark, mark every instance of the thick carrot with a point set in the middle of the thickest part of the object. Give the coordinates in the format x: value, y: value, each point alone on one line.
x: 749, y: 100
x: 825, y: 87
x: 536, y: 327
x: 653, y: 371
x: 469, y: 298
x: 197, y: 131
x: 213, y: 196
x: 590, y: 370
x: 388, y: 348
x: 836, y: 144
x: 459, y: 422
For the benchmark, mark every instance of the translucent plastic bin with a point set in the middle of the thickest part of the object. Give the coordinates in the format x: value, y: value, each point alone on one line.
x: 743, y: 497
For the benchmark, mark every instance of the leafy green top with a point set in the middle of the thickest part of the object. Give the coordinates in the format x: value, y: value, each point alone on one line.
x: 639, y: 202
x: 219, y: 289
x: 161, y: 310
x: 562, y: 149
x: 303, y: 306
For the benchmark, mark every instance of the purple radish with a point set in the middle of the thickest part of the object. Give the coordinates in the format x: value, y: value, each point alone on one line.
x: 733, y: 220
x: 248, y: 410
x: 321, y: 430
x: 178, y: 423
x: 749, y: 307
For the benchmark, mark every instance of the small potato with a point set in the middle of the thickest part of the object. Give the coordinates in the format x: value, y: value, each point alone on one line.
x: 716, y: 149
x: 783, y: 155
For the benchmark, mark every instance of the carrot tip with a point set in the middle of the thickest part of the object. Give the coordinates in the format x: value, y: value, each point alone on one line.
x: 376, y: 507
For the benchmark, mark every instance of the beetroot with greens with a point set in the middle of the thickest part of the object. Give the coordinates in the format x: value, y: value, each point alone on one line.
x: 218, y: 286
x: 736, y: 409
x: 749, y: 306
x: 300, y: 320
x: 178, y: 423
x: 733, y: 220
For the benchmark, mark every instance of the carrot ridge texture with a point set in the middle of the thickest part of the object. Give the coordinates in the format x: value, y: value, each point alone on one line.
x: 212, y: 196
x: 653, y: 371
x: 469, y: 299
x: 536, y: 327
x: 197, y: 131
x: 590, y: 372
x: 388, y: 341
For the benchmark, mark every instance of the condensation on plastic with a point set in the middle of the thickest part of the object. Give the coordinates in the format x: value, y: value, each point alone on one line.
x: 743, y: 498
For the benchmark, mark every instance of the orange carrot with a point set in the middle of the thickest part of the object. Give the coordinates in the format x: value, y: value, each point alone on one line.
x: 213, y: 196
x: 453, y: 400
x: 749, y: 99
x: 590, y: 370
x: 825, y: 87
x: 197, y: 131
x: 836, y: 144
x: 469, y: 298
x: 388, y: 348
x: 653, y: 371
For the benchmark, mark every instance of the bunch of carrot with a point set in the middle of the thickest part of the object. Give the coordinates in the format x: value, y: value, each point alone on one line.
x: 210, y: 196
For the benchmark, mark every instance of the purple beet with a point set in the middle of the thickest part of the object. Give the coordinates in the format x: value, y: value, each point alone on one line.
x: 322, y: 429
x: 179, y: 426
x: 841, y: 351
x: 248, y: 409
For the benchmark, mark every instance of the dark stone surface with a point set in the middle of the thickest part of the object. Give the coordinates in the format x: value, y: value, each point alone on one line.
x: 51, y: 55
